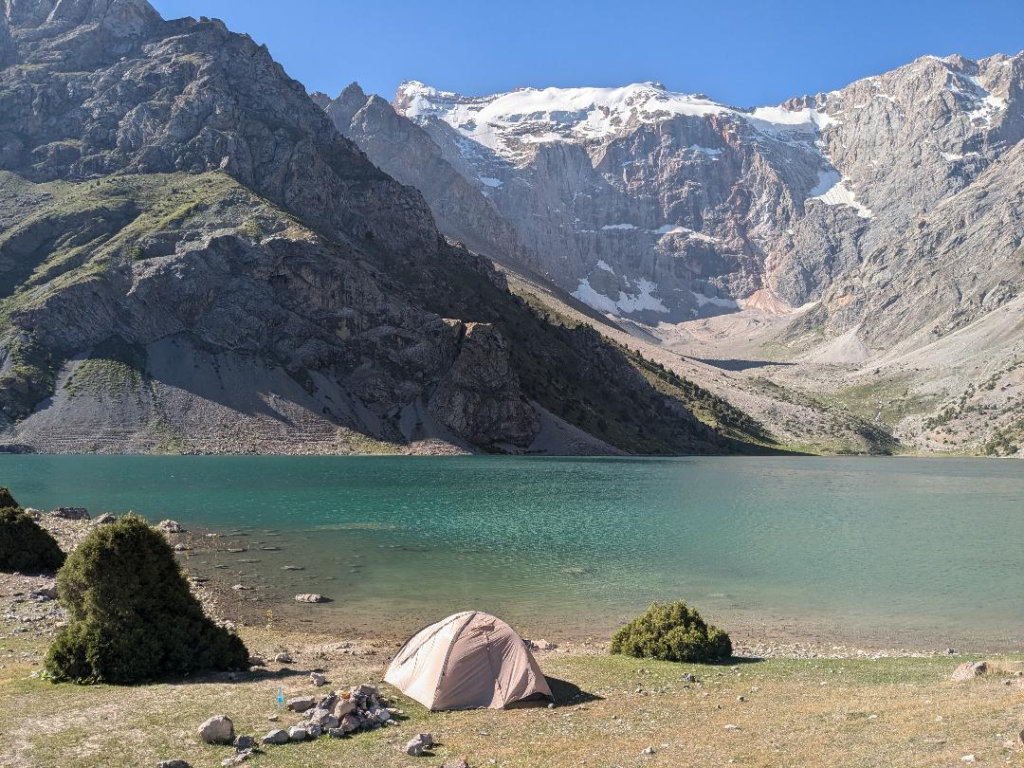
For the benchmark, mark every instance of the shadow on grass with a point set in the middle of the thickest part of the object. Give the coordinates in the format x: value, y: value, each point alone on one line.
x: 569, y: 694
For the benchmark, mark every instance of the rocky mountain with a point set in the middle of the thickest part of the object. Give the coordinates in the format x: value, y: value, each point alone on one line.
x: 839, y: 232
x: 193, y: 259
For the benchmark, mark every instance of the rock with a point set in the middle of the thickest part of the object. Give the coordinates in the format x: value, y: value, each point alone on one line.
x: 276, y: 736
x: 731, y: 727
x: 45, y: 594
x: 309, y: 598
x: 967, y: 759
x: 179, y: 547
x: 415, y: 747
x: 301, y: 703
x: 970, y: 670
x: 241, y: 588
x: 313, y: 731
x: 238, y: 759
x: 244, y: 742
x: 298, y: 733
x: 350, y: 723
x: 283, y: 658
x: 318, y: 680
x: 648, y: 751
x: 322, y: 717
x: 217, y: 730
x: 689, y: 678
x: 292, y: 568
x: 542, y: 645
x: 170, y: 526
x: 459, y: 762
x: 105, y: 519
x: 257, y: 661
x: 337, y: 733
x: 173, y: 764
x: 343, y: 707
x: 71, y: 513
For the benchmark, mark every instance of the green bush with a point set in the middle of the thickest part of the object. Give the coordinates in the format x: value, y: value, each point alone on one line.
x: 6, y: 500
x: 24, y: 546
x: 131, y: 615
x: 672, y: 632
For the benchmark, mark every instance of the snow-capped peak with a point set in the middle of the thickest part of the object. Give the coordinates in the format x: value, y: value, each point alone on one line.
x: 512, y: 123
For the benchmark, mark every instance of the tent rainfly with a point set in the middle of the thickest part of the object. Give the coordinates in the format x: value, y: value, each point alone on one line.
x: 470, y: 660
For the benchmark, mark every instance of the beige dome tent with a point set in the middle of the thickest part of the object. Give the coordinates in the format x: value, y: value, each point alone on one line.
x: 467, y: 661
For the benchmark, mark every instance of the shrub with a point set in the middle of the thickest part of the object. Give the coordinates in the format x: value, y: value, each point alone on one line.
x: 24, y: 545
x: 131, y: 615
x: 6, y: 500
x: 672, y: 632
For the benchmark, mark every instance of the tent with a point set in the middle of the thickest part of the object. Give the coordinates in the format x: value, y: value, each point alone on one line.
x: 469, y: 660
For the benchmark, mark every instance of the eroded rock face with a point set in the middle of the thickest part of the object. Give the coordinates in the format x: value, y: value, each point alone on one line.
x: 479, y: 399
x: 197, y: 261
x: 663, y: 206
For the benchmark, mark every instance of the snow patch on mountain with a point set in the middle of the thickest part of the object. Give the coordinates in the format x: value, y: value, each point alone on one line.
x: 624, y: 303
x: 833, y: 189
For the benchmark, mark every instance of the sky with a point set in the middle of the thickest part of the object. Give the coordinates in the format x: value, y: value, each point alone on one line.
x: 740, y: 52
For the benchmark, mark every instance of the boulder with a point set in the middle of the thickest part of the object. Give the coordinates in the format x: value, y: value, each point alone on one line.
x: 45, y: 594
x: 301, y: 703
x: 309, y: 598
x: 276, y: 736
x: 170, y: 526
x: 318, y: 680
x: 970, y: 670
x: 322, y: 717
x: 313, y: 730
x: 71, y: 513
x: 217, y: 730
x: 105, y: 519
x: 298, y: 733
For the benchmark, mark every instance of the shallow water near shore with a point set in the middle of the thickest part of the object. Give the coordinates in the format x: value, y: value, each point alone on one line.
x: 913, y: 552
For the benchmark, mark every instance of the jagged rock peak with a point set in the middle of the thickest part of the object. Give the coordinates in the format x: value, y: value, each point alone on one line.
x: 124, y: 17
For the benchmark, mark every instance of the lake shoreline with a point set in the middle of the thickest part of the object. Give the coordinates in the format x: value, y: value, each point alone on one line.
x: 251, y: 608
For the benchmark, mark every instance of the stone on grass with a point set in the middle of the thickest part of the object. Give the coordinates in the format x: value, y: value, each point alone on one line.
x: 244, y: 742
x: 459, y: 762
x: 419, y: 744
x: 301, y: 703
x: 283, y: 658
x: 217, y: 730
x: 313, y: 731
x: 350, y: 723
x: 970, y: 670
x: 648, y: 751
x: 276, y: 736
x: 173, y: 764
x: 238, y: 759
x: 298, y: 733
x: 322, y: 717
x: 310, y: 597
x: 318, y: 680
x: 71, y: 513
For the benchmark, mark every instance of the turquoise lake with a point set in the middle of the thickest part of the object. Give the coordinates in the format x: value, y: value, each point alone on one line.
x: 921, y: 552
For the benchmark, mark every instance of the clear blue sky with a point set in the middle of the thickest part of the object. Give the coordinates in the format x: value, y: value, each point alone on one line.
x: 743, y: 52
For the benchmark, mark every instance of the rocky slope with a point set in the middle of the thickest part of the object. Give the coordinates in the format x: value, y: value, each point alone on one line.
x: 846, y: 233
x: 192, y: 259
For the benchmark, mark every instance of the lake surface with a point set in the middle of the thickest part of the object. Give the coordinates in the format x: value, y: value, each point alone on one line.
x: 924, y: 552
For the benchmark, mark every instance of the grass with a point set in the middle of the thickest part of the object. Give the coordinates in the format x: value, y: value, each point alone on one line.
x: 894, y: 711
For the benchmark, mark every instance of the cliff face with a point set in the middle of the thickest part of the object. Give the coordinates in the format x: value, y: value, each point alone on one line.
x: 192, y: 258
